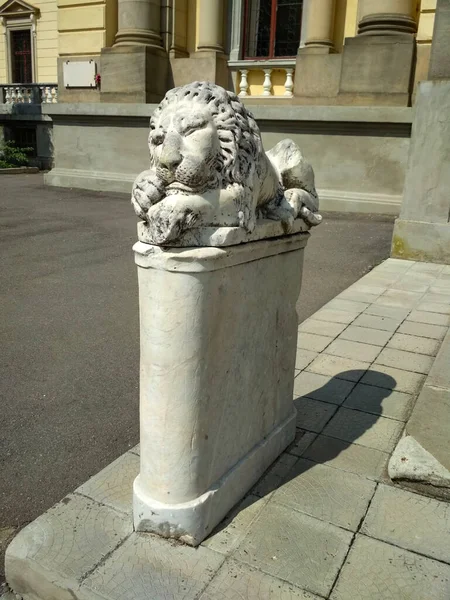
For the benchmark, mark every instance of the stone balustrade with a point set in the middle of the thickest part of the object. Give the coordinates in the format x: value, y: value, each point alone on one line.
x: 270, y: 88
x: 29, y: 94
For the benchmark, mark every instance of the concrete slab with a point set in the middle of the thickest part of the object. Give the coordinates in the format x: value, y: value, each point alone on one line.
x: 295, y: 548
x: 333, y: 496
x: 304, y: 358
x: 375, y: 322
x: 390, y: 573
x: 365, y: 429
x: 378, y: 401
x: 396, y: 379
x: 433, y: 307
x: 316, y: 343
x: 410, y: 521
x: 51, y: 556
x: 353, y: 350
x: 436, y: 332
x: 347, y: 305
x: 432, y: 318
x: 238, y: 581
x: 440, y: 374
x: 322, y: 387
x: 321, y: 327
x: 356, y: 296
x: 301, y: 444
x: 413, y: 343
x: 335, y: 366
x: 366, y: 335
x: 407, y: 361
x: 354, y: 458
x: 176, y: 571
x: 274, y: 476
x: 313, y: 415
x: 398, y: 298
x: 391, y: 312
x: 336, y: 316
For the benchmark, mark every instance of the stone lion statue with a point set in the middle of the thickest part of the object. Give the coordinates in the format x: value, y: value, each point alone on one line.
x: 208, y: 168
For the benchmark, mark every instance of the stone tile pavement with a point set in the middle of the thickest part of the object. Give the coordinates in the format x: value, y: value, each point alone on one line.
x: 325, y: 521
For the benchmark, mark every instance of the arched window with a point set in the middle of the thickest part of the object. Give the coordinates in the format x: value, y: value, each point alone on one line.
x: 272, y: 28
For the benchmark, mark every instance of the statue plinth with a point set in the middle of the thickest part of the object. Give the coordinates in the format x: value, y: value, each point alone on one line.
x: 218, y: 347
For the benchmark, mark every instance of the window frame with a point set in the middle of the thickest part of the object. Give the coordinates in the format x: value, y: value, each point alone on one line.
x: 17, y: 15
x: 273, y: 29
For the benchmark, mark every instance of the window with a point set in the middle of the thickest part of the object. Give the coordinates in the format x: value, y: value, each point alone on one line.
x: 21, y: 56
x: 272, y: 28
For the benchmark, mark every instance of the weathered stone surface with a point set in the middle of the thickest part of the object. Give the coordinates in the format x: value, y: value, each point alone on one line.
x: 393, y: 312
x: 355, y: 458
x: 305, y: 439
x: 412, y: 343
x: 316, y: 343
x: 353, y: 350
x: 380, y: 401
x: 336, y: 366
x: 325, y: 493
x: 336, y: 316
x: 394, y: 379
x: 421, y: 329
x: 366, y: 335
x: 408, y: 361
x: 296, y: 548
x: 304, y: 358
x: 50, y: 557
x: 322, y: 387
x: 176, y: 572
x: 410, y: 521
x: 275, y: 475
x: 113, y: 486
x: 375, y: 322
x: 321, y: 327
x: 411, y: 462
x: 398, y: 299
x: 238, y: 581
x: 390, y: 573
x: 365, y: 429
x: 204, y: 146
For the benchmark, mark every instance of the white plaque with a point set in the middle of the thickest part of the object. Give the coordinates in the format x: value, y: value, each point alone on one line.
x: 79, y: 73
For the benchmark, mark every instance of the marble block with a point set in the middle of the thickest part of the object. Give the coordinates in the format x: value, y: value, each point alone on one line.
x: 218, y: 346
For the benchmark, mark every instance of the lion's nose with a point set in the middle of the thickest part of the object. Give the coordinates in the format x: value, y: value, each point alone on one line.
x: 170, y: 157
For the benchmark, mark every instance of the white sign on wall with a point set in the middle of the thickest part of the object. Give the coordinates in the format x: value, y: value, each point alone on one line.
x: 79, y: 73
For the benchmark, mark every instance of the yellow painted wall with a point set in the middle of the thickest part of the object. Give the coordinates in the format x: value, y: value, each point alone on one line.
x: 426, y: 21
x: 192, y: 27
x: 2, y: 57
x: 86, y: 26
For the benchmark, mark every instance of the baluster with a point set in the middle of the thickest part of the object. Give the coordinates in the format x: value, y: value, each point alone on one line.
x: 267, y: 85
x: 13, y: 95
x: 42, y: 93
x: 28, y: 95
x: 54, y: 95
x: 243, y: 85
x: 289, y: 85
x: 19, y: 98
x: 8, y: 95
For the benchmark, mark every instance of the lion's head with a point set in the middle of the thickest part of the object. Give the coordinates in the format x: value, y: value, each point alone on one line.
x: 202, y: 137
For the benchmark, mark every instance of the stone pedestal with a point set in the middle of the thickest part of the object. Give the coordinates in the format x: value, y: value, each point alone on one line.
x: 423, y: 230
x: 218, y: 346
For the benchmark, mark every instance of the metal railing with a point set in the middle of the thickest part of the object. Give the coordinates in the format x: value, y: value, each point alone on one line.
x: 32, y: 93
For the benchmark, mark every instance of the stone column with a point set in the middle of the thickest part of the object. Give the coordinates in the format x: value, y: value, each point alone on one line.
x: 211, y: 23
x: 319, y: 25
x: 386, y: 17
x: 139, y: 23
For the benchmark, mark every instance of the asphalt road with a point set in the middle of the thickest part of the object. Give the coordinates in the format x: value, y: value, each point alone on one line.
x: 69, y: 331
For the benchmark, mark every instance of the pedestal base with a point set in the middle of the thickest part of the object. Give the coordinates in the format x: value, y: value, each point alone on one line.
x: 193, y: 521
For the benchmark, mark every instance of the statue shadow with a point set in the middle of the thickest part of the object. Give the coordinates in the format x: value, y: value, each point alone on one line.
x: 327, y: 431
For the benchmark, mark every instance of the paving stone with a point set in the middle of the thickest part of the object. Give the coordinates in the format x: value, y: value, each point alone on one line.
x: 303, y: 358
x: 228, y: 534
x: 114, y: 485
x: 322, y: 387
x: 364, y: 287
x: 377, y: 571
x: 421, y: 316
x: 321, y: 327
x: 410, y: 521
x: 366, y: 335
x: 313, y: 415
x: 302, y: 442
x: 61, y: 546
x: 336, y: 316
x: 414, y: 343
x: 275, y: 475
x: 394, y: 379
x: 408, y: 361
x: 400, y: 298
x: 442, y: 298
x: 440, y: 287
x: 136, y: 449
x: 392, y: 312
x: 365, y: 429
x: 328, y: 494
x: 347, y: 305
x: 375, y: 322
x: 336, y: 366
x: 436, y: 332
x: 409, y: 284
x: 359, y: 296
x: 236, y: 581
x: 380, y: 401
x: 147, y: 566
x: 361, y: 460
x: 316, y: 343
x: 423, y: 267
x: 443, y: 309
x: 354, y: 350
x: 296, y: 548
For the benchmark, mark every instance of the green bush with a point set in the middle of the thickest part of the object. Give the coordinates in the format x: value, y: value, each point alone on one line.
x: 12, y: 156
